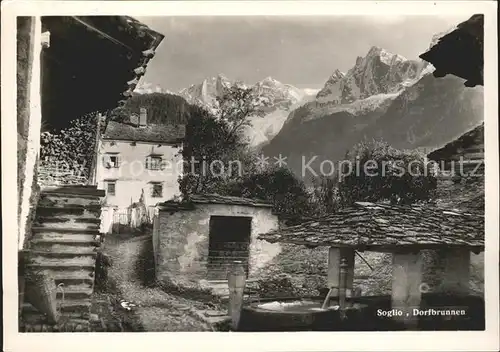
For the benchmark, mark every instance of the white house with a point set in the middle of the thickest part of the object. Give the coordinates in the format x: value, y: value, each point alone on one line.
x: 138, y: 161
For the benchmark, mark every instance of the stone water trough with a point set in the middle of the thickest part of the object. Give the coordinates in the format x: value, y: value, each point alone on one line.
x: 404, y: 231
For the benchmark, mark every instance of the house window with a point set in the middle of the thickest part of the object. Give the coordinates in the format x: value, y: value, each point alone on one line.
x: 157, y: 190
x: 110, y: 188
x: 154, y: 162
x: 111, y: 161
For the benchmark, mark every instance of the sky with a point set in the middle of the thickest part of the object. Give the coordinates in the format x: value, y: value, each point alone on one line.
x: 302, y: 51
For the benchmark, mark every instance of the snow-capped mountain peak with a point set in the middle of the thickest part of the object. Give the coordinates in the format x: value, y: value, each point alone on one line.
x: 379, y: 72
x: 382, y: 96
x: 384, y: 56
x: 280, y: 99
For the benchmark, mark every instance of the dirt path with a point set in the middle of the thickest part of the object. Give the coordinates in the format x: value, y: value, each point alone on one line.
x: 155, y: 310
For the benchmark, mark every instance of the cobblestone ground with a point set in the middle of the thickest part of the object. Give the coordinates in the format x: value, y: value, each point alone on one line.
x: 154, y: 309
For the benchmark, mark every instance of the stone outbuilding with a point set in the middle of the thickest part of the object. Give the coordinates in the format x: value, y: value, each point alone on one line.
x: 200, y: 238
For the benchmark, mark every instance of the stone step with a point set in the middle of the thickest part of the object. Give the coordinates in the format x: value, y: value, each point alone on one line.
x: 31, y: 315
x: 63, y: 200
x: 80, y: 291
x: 68, y: 223
x: 57, y: 247
x: 69, y: 307
x: 75, y: 277
x: 68, y: 219
x: 76, y: 306
x: 220, y: 287
x: 82, y: 262
x: 65, y: 324
x: 74, y: 190
x: 89, y: 211
x: 71, y: 312
x: 61, y: 238
x: 72, y: 293
x: 65, y: 231
x: 76, y: 252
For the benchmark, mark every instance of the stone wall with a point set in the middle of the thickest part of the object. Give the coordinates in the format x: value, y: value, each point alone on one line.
x: 181, y: 241
x: 67, y: 155
x: 24, y: 63
x: 28, y: 116
x: 51, y: 175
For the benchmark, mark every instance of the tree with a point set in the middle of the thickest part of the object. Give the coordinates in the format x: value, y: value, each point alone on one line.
x: 375, y: 171
x: 379, y: 172
x: 214, y: 151
x: 237, y: 104
x: 208, y: 146
x: 325, y: 195
x: 279, y: 186
x: 162, y: 109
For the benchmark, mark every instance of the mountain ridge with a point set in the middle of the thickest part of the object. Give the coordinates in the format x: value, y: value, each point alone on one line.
x: 383, y: 96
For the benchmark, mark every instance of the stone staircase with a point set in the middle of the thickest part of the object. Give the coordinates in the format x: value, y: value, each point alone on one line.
x: 64, y: 242
x: 220, y: 288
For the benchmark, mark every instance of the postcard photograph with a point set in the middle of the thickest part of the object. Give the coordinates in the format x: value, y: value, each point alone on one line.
x: 253, y: 173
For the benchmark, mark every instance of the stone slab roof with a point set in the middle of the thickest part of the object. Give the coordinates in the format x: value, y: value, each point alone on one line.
x: 212, y: 199
x: 460, y: 52
x: 370, y: 226
x: 150, y: 133
x: 218, y: 199
x: 466, y: 195
x: 96, y: 61
x: 472, y: 138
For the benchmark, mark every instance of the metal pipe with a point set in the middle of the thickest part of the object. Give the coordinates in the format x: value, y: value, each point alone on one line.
x: 364, y: 260
x: 236, y: 283
x: 343, y: 286
x: 327, y: 299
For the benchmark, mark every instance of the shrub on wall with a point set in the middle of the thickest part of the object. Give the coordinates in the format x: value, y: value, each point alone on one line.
x: 103, y: 262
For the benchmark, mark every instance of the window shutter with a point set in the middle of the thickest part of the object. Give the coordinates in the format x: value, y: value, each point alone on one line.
x: 106, y: 161
x: 118, y: 161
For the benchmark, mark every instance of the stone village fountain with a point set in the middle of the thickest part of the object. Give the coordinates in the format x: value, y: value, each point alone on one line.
x: 404, y: 231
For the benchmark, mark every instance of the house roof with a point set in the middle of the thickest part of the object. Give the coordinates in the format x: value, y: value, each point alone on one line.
x: 458, y: 146
x: 95, y: 62
x: 468, y: 150
x: 460, y: 52
x: 218, y: 199
x: 464, y: 196
x: 150, y: 133
x: 370, y: 226
x: 213, y: 199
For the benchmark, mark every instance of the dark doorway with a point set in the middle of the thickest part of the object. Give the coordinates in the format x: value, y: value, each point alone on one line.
x: 229, y: 241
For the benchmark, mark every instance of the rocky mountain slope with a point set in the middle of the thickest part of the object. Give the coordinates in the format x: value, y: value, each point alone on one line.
x: 376, y: 73
x: 283, y: 98
x: 383, y: 96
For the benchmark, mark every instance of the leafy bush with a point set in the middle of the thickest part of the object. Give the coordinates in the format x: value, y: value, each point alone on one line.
x: 386, y: 173
x: 277, y: 286
x: 279, y: 186
x: 103, y: 262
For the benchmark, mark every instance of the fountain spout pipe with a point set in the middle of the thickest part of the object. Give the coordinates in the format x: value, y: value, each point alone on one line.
x: 236, y: 283
x: 327, y: 299
x: 343, y: 286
